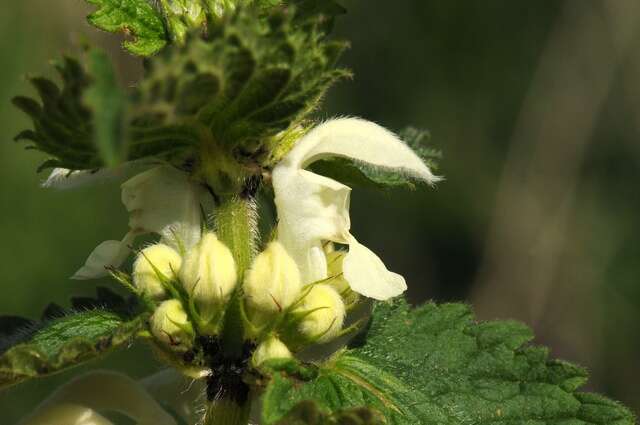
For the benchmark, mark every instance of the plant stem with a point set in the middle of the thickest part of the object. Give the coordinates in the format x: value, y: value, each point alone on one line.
x: 236, y: 226
x: 227, y: 412
x: 236, y: 222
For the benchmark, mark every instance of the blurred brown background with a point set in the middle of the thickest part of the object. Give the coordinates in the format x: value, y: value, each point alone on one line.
x: 536, y: 106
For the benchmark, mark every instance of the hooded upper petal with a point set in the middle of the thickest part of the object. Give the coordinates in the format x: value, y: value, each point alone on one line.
x: 359, y: 140
x: 313, y: 208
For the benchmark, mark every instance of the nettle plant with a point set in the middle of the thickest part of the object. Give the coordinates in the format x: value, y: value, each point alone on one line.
x: 255, y: 293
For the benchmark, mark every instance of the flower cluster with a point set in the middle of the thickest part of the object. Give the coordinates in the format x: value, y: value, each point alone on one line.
x: 309, y: 275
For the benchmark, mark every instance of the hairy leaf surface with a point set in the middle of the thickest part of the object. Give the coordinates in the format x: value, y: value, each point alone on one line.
x: 436, y: 365
x: 31, y: 350
x: 251, y: 77
x: 135, y: 18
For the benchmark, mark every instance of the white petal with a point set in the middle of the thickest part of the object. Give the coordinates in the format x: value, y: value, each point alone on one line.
x: 66, y: 414
x: 107, y: 391
x: 164, y: 200
x: 367, y: 274
x: 311, y: 208
x: 63, y: 178
x: 175, y: 390
x: 359, y: 140
x: 107, y: 254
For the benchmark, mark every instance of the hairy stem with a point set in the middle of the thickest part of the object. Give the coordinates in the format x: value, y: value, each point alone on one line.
x: 236, y: 222
x: 227, y: 411
x: 236, y: 226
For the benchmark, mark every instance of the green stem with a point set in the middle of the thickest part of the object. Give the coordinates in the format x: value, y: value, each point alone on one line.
x: 236, y: 226
x: 227, y: 412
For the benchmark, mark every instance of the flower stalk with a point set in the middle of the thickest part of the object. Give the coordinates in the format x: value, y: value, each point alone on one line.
x: 236, y: 226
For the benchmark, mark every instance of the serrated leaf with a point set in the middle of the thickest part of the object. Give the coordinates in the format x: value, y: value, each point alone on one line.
x: 135, y: 18
x: 436, y: 365
x: 62, y: 124
x: 249, y: 78
x: 362, y: 175
x: 64, y: 342
x: 107, y: 103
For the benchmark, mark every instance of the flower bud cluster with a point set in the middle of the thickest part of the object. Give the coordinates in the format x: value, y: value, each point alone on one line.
x: 190, y: 291
x: 286, y: 314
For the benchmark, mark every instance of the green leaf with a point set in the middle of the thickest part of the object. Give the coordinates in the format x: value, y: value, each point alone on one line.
x: 324, y: 10
x: 135, y: 18
x: 248, y: 79
x: 107, y: 103
x: 63, y: 342
x: 362, y: 175
x: 436, y: 365
x: 233, y: 88
x: 62, y: 124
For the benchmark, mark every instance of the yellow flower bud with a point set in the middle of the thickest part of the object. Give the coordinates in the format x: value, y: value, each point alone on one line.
x: 272, y: 284
x: 155, y: 263
x: 209, y: 275
x: 170, y: 325
x: 270, y: 348
x: 323, y: 312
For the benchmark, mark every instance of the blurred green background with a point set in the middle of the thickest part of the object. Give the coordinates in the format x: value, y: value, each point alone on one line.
x: 536, y: 106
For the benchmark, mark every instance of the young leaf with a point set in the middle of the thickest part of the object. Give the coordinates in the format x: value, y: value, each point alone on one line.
x: 249, y: 78
x: 62, y: 124
x: 323, y: 10
x: 64, y: 342
x: 135, y: 18
x: 358, y: 174
x: 435, y: 365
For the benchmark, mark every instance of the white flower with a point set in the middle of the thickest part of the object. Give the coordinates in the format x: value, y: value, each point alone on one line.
x: 63, y: 178
x: 79, y: 402
x: 313, y: 209
x: 162, y: 200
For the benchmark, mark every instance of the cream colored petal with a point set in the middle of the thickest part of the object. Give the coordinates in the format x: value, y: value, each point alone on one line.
x: 181, y: 394
x: 164, y: 200
x: 311, y: 208
x: 359, y: 140
x: 107, y: 391
x: 107, y: 254
x: 63, y: 178
x: 66, y: 414
x: 367, y: 274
